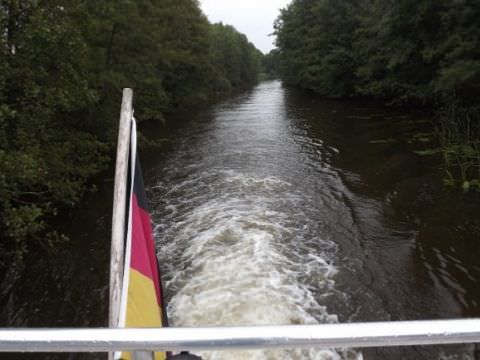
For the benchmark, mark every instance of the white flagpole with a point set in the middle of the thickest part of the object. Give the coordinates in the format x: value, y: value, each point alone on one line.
x: 119, y: 213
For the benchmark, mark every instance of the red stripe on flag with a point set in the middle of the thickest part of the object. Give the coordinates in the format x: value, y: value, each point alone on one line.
x: 143, y: 257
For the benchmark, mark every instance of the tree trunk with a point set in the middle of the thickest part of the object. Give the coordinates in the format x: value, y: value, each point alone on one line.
x: 11, y: 25
x: 109, y: 59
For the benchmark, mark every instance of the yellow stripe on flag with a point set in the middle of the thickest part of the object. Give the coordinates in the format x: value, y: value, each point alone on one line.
x: 142, y: 307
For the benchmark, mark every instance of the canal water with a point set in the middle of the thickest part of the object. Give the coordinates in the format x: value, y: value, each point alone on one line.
x: 277, y: 207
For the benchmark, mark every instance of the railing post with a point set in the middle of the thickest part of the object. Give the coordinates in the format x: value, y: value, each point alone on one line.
x: 142, y: 355
x: 119, y: 211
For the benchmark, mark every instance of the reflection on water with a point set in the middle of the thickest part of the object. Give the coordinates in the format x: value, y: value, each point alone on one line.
x: 277, y: 207
x: 239, y: 235
x: 280, y: 208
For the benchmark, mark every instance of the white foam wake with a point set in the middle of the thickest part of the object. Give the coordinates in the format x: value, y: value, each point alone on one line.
x: 248, y: 257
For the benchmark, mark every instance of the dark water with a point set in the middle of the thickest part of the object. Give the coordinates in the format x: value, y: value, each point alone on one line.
x: 277, y: 207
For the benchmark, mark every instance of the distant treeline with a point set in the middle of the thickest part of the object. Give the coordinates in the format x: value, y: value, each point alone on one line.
x: 406, y: 52
x: 63, y: 65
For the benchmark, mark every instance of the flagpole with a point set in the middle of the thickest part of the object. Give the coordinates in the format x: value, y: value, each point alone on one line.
x: 119, y: 208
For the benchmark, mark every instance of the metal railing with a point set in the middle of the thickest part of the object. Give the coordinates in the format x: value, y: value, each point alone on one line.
x: 355, y: 335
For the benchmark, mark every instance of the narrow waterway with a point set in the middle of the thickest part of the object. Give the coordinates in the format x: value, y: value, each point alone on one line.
x: 277, y: 207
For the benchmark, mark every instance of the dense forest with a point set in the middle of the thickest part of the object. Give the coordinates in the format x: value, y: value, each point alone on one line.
x: 407, y: 53
x: 63, y: 66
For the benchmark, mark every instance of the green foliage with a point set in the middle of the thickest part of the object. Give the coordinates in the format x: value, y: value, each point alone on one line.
x: 271, y: 63
x: 62, y: 69
x: 315, y: 42
x: 407, y: 52
x: 237, y: 61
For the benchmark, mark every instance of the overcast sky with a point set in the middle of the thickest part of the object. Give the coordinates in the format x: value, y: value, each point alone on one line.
x: 254, y: 18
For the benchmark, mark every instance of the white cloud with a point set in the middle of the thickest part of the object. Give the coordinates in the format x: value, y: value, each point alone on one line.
x: 254, y: 18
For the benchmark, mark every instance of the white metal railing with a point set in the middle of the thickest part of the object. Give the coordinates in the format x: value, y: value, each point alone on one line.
x: 356, y: 335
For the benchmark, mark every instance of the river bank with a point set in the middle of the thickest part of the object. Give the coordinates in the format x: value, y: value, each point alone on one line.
x: 310, y: 210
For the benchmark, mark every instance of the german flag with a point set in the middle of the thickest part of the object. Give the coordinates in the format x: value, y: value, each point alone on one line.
x: 141, y: 302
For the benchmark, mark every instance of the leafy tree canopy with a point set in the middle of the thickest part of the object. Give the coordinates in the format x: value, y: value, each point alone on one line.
x: 62, y: 68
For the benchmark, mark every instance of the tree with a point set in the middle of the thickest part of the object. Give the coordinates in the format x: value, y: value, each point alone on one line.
x: 63, y: 66
x: 408, y: 52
